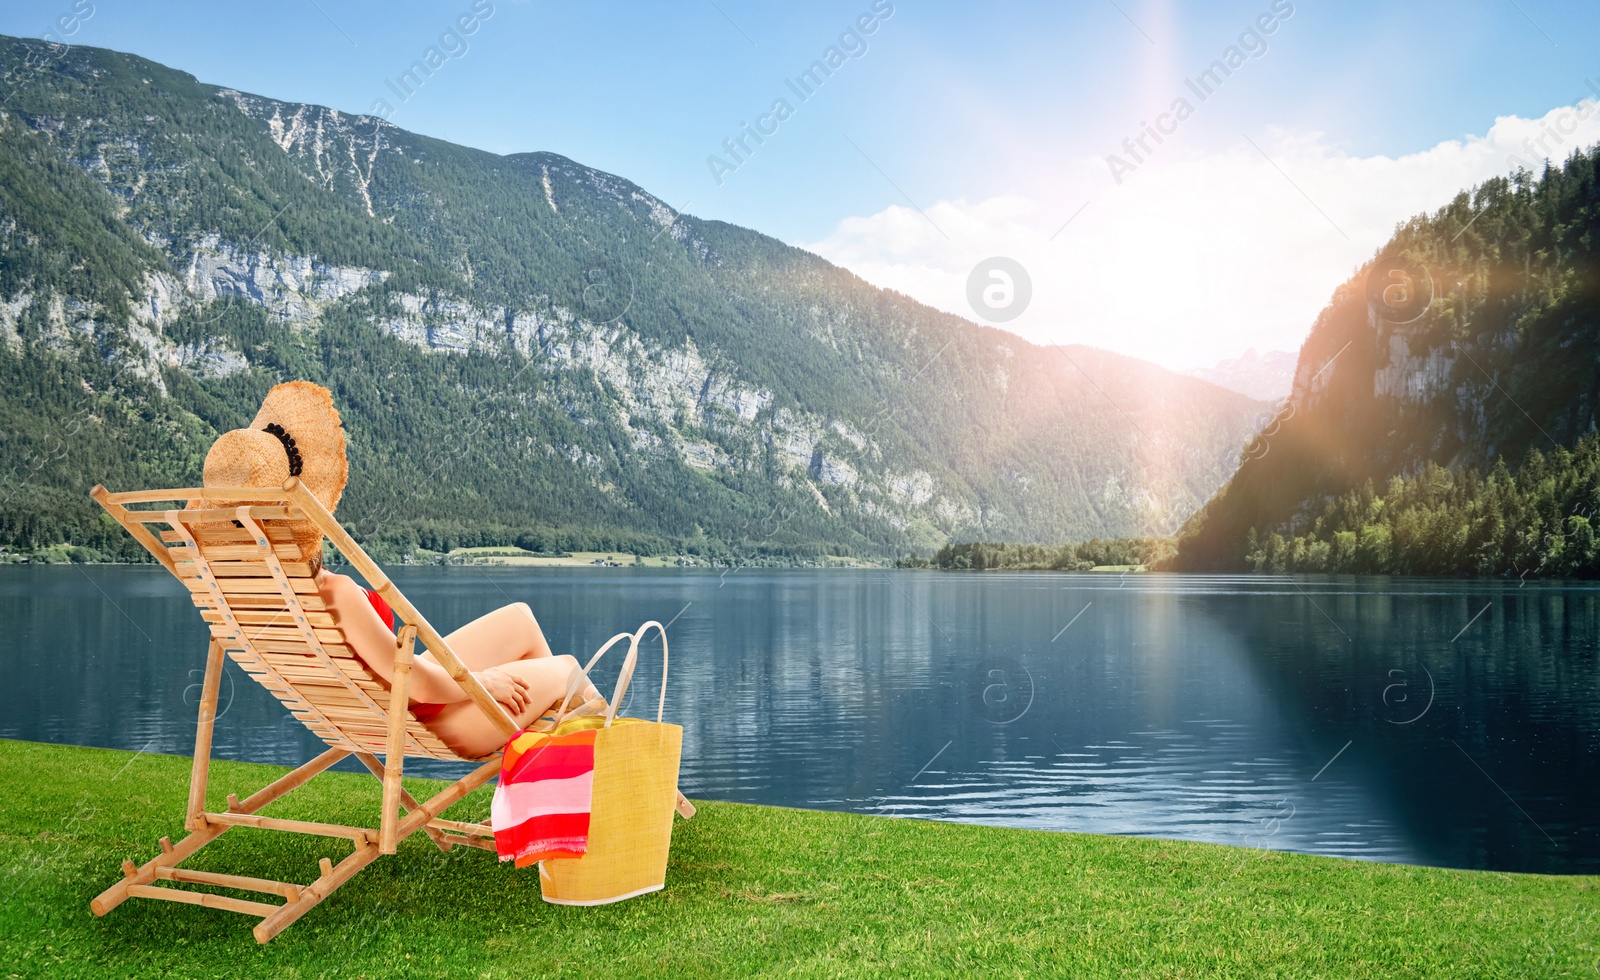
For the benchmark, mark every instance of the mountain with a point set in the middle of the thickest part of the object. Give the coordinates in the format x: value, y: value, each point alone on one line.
x: 525, y: 350
x: 1444, y: 405
x: 1266, y: 377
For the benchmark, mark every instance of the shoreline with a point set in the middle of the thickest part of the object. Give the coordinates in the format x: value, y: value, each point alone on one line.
x: 655, y: 563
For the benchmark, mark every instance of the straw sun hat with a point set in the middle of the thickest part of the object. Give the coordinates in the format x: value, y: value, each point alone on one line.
x: 296, y: 433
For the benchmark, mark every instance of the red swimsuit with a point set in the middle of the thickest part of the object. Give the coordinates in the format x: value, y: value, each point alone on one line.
x: 419, y: 710
x: 384, y: 612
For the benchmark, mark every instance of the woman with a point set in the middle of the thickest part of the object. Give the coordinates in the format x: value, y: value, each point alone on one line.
x: 298, y: 433
x: 504, y: 649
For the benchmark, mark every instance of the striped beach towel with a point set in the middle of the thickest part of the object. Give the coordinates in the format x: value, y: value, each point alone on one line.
x: 541, y: 805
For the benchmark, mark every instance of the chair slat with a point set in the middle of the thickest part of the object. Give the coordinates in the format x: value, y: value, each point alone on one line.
x: 256, y: 586
x: 243, y: 552
x: 206, y: 537
x: 263, y: 602
x: 299, y: 647
x: 325, y: 691
x: 315, y: 672
x: 246, y: 569
x: 263, y: 617
x: 271, y: 631
x: 218, y: 515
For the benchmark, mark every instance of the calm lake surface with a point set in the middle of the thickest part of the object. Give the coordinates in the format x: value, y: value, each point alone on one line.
x: 1431, y: 722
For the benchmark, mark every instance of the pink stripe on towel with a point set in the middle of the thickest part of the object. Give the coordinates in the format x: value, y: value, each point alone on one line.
x: 517, y: 802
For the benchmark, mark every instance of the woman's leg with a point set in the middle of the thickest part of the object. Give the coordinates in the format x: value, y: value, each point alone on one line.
x: 508, y: 634
x: 510, y: 640
x: 468, y: 732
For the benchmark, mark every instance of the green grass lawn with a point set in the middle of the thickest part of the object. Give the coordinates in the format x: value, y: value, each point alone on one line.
x: 750, y: 890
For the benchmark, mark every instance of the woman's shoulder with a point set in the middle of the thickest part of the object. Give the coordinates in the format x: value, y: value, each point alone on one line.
x: 338, y: 589
x: 326, y: 579
x: 333, y: 585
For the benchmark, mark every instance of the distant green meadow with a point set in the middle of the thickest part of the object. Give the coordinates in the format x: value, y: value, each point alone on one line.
x: 750, y: 890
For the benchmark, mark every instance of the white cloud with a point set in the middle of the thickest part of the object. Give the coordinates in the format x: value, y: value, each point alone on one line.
x: 1192, y: 258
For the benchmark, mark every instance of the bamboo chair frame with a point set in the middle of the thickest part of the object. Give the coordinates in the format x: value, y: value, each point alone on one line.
x: 255, y: 590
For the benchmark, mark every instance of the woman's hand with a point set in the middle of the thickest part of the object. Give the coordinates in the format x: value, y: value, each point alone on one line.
x: 509, y: 689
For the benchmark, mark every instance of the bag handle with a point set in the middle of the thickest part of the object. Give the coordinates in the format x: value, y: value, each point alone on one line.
x: 626, y: 677
x: 579, y: 676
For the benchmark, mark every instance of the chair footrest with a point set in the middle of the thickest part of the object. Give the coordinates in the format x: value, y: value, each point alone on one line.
x: 358, y: 834
x: 462, y: 827
x: 284, y: 889
x: 480, y: 842
x: 210, y: 901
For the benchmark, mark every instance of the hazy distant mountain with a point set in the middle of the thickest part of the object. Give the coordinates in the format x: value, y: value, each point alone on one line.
x: 1471, y: 340
x: 1268, y: 376
x: 523, y: 348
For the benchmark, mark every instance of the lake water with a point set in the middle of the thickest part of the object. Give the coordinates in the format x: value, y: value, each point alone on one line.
x: 1421, y: 721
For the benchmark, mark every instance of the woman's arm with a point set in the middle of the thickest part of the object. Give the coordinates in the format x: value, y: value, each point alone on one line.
x: 375, y: 644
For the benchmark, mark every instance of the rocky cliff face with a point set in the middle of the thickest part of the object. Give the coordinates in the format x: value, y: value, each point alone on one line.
x: 651, y: 387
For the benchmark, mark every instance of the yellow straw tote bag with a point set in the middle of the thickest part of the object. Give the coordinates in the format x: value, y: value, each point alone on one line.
x: 635, y: 795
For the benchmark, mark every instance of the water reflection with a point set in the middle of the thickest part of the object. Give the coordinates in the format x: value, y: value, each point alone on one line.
x: 1434, y: 722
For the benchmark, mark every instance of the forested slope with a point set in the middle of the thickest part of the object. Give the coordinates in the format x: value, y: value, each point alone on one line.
x: 1439, y: 427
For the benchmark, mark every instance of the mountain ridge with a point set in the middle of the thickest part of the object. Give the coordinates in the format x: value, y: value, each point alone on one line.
x: 530, y: 348
x: 1267, y: 376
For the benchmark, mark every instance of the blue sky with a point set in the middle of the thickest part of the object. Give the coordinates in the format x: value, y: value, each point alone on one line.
x: 951, y: 106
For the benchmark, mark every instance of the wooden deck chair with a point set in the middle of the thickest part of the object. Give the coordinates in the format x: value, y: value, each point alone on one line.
x: 255, y: 589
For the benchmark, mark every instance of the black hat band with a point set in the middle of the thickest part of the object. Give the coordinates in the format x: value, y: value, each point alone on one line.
x: 284, y: 437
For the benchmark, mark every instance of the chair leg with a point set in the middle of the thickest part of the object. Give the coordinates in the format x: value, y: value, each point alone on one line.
x: 201, y: 772
x: 394, y: 755
x: 315, y: 892
x: 406, y: 799
x: 446, y: 798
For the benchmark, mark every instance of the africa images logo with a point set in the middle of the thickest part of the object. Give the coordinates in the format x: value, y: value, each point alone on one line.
x: 1399, y: 289
x: 998, y: 289
x: 1251, y: 44
x: 851, y: 44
